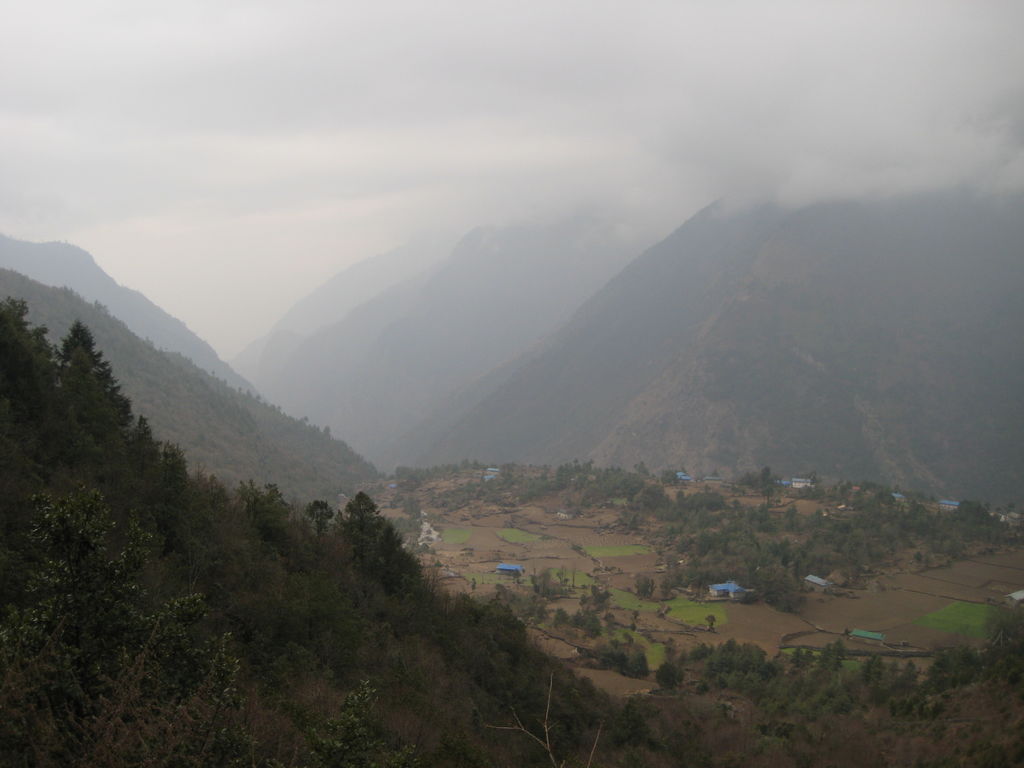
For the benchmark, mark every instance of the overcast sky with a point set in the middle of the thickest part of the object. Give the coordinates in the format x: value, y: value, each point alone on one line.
x: 227, y: 157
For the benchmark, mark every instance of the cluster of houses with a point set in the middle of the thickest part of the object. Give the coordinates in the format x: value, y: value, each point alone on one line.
x: 730, y: 590
x: 795, y: 482
x: 683, y: 477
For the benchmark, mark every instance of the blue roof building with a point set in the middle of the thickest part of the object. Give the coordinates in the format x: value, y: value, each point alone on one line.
x: 948, y: 505
x: 728, y: 589
x: 510, y: 569
x: 683, y: 477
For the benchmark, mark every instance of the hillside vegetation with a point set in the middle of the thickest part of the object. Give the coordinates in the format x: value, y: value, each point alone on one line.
x: 223, y: 431
x: 150, y: 617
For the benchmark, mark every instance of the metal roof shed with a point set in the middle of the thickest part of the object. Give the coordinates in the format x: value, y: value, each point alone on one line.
x: 863, y: 634
x: 730, y: 586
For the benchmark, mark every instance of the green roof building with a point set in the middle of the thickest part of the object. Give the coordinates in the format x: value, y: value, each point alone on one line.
x: 863, y: 634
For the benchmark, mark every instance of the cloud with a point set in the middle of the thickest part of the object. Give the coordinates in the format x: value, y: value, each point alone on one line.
x: 303, y: 136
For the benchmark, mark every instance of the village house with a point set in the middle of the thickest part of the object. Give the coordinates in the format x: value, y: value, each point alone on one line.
x: 729, y: 589
x: 1015, y: 599
x: 818, y: 584
x: 801, y: 482
x: 863, y: 634
x: 1010, y: 518
x: 947, y: 505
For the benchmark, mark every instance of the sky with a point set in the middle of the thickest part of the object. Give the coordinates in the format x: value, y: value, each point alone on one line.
x: 225, y: 158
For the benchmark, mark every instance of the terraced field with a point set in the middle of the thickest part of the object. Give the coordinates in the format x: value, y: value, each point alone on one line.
x: 969, y: 619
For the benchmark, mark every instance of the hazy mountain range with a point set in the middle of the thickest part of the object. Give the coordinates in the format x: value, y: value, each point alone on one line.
x: 223, y: 431
x: 331, y: 302
x: 406, y: 351
x: 62, y: 264
x: 859, y: 340
x: 864, y: 340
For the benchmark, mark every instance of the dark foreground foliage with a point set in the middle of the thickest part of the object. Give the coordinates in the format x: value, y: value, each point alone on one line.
x: 153, y: 617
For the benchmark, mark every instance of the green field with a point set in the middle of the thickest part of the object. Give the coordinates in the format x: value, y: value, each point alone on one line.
x: 579, y: 578
x: 617, y: 551
x: 516, y: 536
x: 655, y: 652
x: 655, y: 655
x: 631, y: 602
x: 967, y: 619
x: 696, y: 613
x: 455, y: 535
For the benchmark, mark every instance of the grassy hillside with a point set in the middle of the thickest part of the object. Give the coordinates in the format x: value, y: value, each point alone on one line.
x: 223, y: 431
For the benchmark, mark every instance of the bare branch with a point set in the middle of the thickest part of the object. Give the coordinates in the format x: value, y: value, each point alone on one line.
x: 594, y: 748
x: 545, y: 743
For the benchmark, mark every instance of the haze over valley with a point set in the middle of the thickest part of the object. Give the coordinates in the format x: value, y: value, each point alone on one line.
x: 423, y: 385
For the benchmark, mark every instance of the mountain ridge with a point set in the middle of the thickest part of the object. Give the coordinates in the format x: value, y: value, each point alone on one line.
x: 888, y: 323
x: 223, y: 431
x: 62, y: 264
x: 395, y: 357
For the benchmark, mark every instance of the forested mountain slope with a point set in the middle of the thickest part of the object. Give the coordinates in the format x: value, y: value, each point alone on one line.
x: 61, y: 264
x: 223, y: 431
x: 869, y: 340
x: 153, y: 617
x: 394, y: 359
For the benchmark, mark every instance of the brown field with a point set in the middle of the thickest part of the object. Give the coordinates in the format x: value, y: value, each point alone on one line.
x: 884, y: 611
x: 906, y: 597
x: 614, y: 683
x: 553, y: 646
x: 759, y: 624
